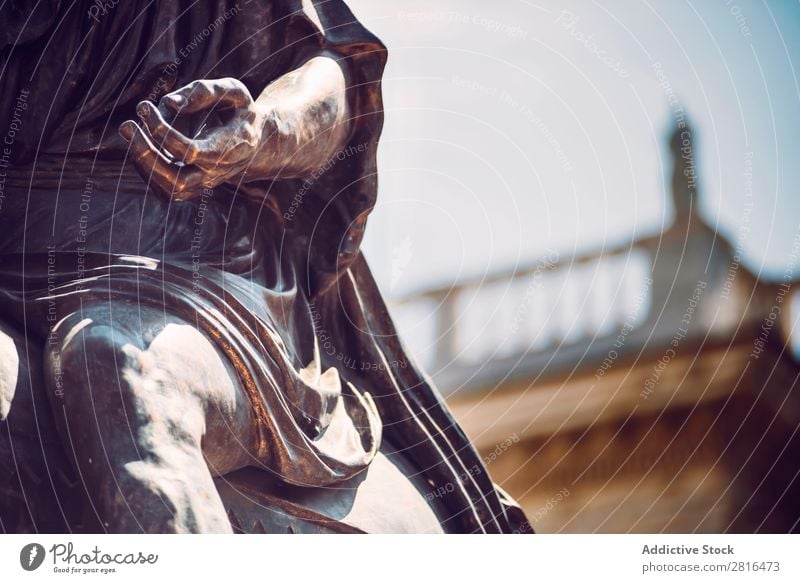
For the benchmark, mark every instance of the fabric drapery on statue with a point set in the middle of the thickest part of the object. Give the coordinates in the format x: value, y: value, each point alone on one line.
x: 270, y: 270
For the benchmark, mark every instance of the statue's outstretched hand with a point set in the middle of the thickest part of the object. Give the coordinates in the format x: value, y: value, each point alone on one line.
x: 226, y: 137
x: 292, y: 128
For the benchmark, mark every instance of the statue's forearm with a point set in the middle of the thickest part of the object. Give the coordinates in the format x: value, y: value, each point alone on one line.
x: 306, y: 120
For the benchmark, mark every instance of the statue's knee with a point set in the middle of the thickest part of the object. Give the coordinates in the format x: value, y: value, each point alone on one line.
x: 78, y: 351
x: 169, y: 381
x: 87, y: 366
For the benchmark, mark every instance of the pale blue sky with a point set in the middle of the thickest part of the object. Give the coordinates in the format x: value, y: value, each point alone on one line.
x: 515, y: 127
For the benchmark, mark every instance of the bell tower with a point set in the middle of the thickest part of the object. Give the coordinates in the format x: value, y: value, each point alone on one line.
x: 684, y: 173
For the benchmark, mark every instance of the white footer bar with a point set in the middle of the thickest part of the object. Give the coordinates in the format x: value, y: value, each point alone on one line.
x: 342, y: 558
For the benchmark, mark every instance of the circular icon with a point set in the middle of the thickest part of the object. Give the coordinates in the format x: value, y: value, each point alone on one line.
x: 31, y: 556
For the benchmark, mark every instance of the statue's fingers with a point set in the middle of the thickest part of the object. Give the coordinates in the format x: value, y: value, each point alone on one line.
x: 207, y: 93
x: 180, y: 182
x: 147, y: 157
x: 168, y: 138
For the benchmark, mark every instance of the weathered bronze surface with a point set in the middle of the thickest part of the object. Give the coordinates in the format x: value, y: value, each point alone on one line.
x: 191, y: 340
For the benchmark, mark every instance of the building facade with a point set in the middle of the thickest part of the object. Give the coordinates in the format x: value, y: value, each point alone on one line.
x: 648, y: 388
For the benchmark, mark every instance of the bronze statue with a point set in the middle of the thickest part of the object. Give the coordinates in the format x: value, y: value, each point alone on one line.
x: 190, y: 339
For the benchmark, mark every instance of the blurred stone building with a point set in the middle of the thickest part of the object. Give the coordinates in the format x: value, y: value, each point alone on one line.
x: 651, y: 387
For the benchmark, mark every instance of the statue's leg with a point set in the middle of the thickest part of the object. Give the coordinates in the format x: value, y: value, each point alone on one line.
x: 149, y: 409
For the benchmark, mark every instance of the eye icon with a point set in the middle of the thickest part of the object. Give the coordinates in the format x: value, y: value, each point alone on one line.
x: 31, y: 556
